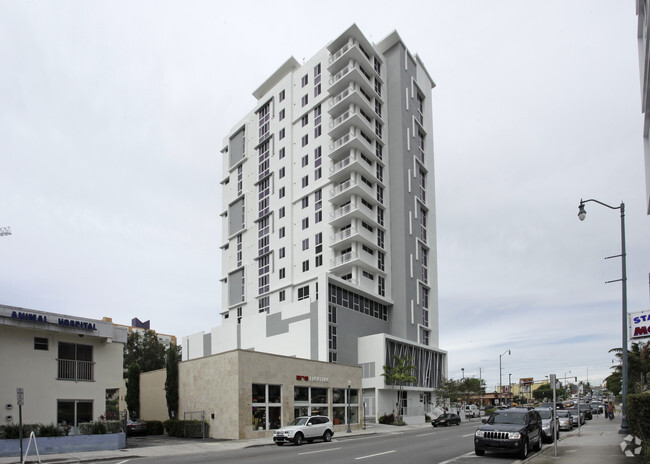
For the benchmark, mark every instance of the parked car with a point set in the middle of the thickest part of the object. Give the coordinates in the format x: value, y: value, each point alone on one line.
x: 564, y: 420
x: 510, y: 430
x: 446, y: 419
x: 587, y: 410
x: 305, y: 428
x: 135, y: 428
x: 575, y: 415
x: 597, y: 407
x: 550, y: 429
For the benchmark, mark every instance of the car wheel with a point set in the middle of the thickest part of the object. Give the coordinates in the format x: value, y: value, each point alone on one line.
x: 298, y: 439
x: 458, y: 423
x: 435, y: 425
x: 538, y: 445
x: 327, y: 436
x: 523, y: 452
x: 479, y: 452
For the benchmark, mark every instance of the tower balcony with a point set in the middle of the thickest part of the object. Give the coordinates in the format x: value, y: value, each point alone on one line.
x: 350, y: 95
x: 351, y: 50
x: 352, y: 186
x: 356, y: 139
x: 353, y: 116
x: 351, y: 163
x: 352, y: 73
x: 347, y: 213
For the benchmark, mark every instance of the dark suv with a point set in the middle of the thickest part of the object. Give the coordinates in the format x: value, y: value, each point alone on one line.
x: 510, y: 430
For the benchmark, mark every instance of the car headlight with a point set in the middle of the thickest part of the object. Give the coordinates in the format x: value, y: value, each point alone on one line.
x: 480, y: 433
x: 547, y: 428
x: 514, y: 435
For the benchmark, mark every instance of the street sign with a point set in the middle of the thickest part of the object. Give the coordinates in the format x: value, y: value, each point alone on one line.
x: 20, y: 393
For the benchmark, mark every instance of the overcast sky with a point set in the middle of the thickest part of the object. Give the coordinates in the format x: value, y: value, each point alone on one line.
x: 113, y: 114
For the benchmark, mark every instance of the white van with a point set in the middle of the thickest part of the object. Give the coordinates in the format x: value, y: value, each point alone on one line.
x: 471, y: 410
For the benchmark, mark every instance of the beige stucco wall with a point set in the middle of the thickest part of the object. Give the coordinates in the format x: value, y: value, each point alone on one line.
x: 153, y: 400
x: 210, y: 384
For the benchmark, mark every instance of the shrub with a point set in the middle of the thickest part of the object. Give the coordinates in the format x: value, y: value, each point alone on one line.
x: 155, y: 427
x: 92, y: 428
x: 49, y: 430
x: 387, y: 419
x: 113, y: 426
x: 638, y: 411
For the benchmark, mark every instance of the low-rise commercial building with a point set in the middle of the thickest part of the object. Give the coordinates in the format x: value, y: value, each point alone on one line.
x: 69, y: 368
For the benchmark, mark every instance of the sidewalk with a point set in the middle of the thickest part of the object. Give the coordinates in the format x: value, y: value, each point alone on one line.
x: 597, y: 443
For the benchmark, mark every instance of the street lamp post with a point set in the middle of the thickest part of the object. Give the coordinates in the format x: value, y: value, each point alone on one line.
x: 500, y: 378
x: 581, y: 215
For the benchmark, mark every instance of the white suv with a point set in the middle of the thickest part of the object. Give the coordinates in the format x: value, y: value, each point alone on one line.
x: 305, y: 428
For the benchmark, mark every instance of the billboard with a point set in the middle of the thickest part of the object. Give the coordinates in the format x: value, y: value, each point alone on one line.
x: 638, y: 325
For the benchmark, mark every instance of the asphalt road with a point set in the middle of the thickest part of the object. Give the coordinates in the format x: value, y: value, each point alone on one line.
x: 442, y: 445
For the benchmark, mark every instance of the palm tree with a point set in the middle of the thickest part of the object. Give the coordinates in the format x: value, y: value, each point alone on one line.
x: 400, y: 373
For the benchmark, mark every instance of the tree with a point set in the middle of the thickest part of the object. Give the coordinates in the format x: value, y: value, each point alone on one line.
x: 638, y: 369
x: 544, y: 391
x: 470, y: 387
x: 144, y: 349
x: 133, y: 390
x: 171, y: 382
x: 448, y: 389
x: 400, y: 373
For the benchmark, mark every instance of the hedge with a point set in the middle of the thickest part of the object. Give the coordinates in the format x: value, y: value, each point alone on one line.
x: 183, y: 429
x: 637, y: 410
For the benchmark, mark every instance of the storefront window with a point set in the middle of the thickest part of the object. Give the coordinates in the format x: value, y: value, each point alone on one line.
x: 275, y: 394
x: 267, y: 407
x: 338, y: 415
x: 300, y: 394
x: 319, y: 395
x: 259, y: 393
x: 71, y: 413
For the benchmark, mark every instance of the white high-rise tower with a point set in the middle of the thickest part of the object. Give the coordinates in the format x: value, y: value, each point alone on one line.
x: 329, y: 227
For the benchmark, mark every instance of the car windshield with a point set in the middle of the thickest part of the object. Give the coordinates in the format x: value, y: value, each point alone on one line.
x: 444, y: 416
x: 563, y: 413
x: 507, y: 417
x: 584, y: 406
x: 299, y: 421
x: 545, y: 413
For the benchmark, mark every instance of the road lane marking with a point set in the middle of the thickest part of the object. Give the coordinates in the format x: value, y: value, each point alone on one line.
x: 319, y: 451
x: 374, y: 455
x: 457, y: 458
x: 122, y: 462
x: 468, y: 435
x: 425, y: 434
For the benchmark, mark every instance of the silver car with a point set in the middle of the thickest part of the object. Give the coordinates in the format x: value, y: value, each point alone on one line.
x: 550, y: 429
x: 305, y: 428
x: 564, y: 419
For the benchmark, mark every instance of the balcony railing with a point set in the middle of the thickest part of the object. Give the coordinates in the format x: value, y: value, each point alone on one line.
x: 342, y: 235
x: 76, y: 370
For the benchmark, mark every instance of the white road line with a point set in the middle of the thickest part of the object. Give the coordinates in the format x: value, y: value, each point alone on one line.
x: 314, y: 452
x: 425, y: 434
x: 457, y: 458
x: 468, y: 435
x: 122, y: 462
x: 374, y: 455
